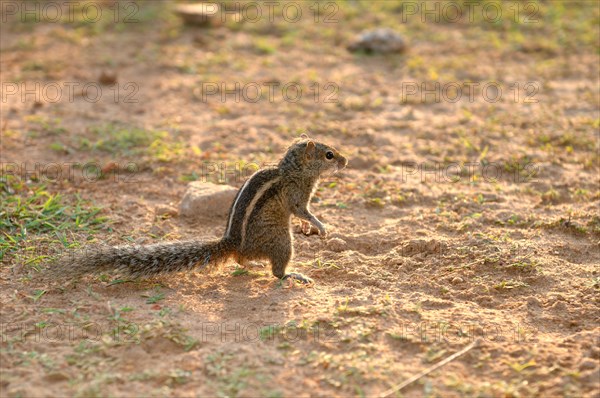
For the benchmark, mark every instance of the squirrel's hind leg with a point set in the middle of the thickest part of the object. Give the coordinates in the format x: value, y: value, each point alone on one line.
x: 280, y: 258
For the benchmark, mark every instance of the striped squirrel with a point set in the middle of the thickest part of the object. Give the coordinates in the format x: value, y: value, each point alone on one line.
x: 258, y: 225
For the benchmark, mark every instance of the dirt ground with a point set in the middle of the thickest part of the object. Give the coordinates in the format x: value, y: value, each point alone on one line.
x: 463, y: 215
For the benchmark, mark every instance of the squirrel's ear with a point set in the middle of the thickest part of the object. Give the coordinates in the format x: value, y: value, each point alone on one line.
x: 309, y: 151
x: 304, y: 136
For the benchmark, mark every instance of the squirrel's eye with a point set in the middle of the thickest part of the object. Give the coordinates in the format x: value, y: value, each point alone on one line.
x: 329, y: 155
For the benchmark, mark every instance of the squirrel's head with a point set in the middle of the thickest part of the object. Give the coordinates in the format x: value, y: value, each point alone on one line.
x: 316, y: 156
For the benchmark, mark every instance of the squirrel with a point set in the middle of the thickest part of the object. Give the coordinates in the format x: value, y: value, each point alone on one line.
x: 258, y: 224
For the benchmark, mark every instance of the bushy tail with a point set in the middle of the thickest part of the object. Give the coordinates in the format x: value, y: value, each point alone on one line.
x: 136, y: 261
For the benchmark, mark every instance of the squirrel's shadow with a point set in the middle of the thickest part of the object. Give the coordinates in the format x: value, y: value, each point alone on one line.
x: 245, y: 307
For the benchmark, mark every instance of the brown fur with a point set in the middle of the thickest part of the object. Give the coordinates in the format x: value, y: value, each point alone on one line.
x: 258, y: 225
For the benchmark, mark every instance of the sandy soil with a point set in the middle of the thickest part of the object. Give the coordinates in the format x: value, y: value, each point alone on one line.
x: 455, y: 221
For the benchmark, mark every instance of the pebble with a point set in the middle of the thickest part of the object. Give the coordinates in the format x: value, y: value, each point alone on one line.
x: 381, y: 41
x: 205, y: 199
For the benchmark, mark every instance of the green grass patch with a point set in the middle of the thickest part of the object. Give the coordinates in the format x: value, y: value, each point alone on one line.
x: 264, y: 47
x: 40, y: 125
x: 124, y: 141
x: 30, y: 215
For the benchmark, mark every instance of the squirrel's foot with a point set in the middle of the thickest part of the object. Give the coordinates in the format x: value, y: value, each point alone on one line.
x: 323, y: 234
x: 299, y: 277
x: 308, y: 229
x: 305, y: 227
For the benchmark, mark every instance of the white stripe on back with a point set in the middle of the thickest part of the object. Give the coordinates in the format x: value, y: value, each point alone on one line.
x: 250, y: 207
x: 234, y: 208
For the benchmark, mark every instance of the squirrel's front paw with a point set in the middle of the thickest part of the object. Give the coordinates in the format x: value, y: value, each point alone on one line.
x: 306, y: 227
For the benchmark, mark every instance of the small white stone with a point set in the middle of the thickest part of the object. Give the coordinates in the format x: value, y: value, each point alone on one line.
x: 381, y: 40
x: 201, y: 14
x: 205, y: 199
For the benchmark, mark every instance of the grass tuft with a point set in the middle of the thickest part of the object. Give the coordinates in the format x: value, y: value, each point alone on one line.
x: 32, y: 217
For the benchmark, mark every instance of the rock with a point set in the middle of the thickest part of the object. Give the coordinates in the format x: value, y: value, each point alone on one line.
x: 382, y: 41
x: 202, y: 14
x: 205, y: 199
x: 165, y: 211
x: 456, y: 280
